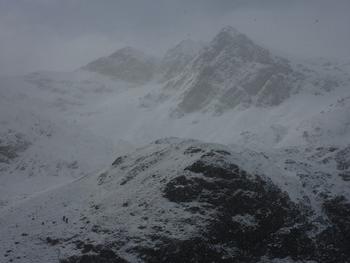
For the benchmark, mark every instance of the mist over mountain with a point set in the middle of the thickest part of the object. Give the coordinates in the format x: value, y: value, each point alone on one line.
x: 127, y: 64
x: 178, y: 57
x: 217, y: 151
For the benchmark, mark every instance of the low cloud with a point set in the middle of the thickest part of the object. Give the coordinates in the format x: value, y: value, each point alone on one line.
x: 65, y: 34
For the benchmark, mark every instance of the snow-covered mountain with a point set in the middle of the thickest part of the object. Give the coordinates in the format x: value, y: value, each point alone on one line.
x: 285, y: 124
x: 233, y: 71
x: 48, y: 108
x: 186, y: 201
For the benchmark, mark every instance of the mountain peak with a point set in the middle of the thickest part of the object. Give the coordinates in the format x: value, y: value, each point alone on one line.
x: 240, y: 46
x: 229, y: 36
x: 229, y: 30
x: 232, y: 70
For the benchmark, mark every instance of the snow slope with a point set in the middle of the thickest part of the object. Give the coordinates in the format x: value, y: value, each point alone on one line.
x: 46, y: 147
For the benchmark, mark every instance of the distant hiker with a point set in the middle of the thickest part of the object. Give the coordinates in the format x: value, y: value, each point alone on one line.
x: 64, y: 218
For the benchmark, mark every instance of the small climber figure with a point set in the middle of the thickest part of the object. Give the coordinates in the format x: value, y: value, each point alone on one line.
x: 65, y: 219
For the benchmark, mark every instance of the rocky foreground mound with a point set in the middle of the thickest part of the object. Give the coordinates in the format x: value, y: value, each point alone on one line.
x: 181, y: 201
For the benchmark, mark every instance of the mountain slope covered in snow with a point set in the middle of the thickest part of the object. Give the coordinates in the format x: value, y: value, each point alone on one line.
x: 286, y: 130
x: 184, y: 201
x: 89, y: 114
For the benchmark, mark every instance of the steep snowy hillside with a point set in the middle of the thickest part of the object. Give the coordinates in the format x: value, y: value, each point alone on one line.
x: 187, y: 201
x: 41, y: 143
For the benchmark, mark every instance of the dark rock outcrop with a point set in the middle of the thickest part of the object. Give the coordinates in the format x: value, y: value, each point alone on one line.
x: 251, y: 216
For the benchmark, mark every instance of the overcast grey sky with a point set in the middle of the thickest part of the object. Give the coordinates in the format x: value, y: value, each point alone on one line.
x: 65, y: 34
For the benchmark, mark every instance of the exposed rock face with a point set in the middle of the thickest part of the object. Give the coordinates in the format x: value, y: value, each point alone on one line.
x: 250, y: 214
x: 126, y: 64
x: 334, y: 242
